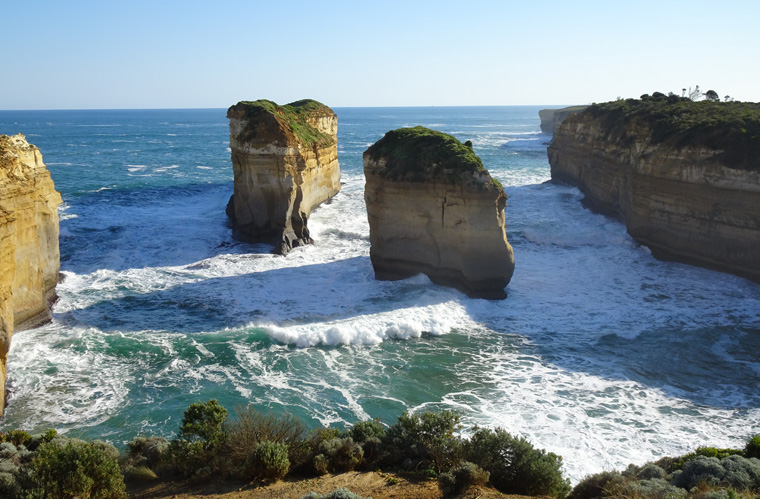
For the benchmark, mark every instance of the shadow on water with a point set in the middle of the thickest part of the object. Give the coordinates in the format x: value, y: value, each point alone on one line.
x: 290, y: 296
x: 716, y: 366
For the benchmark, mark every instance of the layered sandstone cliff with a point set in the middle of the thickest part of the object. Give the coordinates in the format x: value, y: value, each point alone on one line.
x: 683, y: 176
x: 285, y: 163
x: 551, y: 118
x: 434, y: 209
x: 29, y: 257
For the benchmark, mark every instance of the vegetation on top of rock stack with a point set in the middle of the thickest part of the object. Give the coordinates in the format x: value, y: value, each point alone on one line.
x: 419, y: 154
x: 294, y: 116
x: 731, y: 127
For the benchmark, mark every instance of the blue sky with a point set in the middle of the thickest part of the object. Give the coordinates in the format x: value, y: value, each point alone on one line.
x: 171, y: 54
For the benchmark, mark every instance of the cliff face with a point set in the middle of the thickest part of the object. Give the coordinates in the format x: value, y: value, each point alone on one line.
x: 677, y: 194
x: 29, y: 257
x: 551, y: 118
x: 285, y: 163
x: 430, y: 212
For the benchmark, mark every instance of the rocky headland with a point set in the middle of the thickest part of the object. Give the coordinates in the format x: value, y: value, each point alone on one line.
x: 683, y: 176
x: 285, y: 163
x: 551, y: 118
x: 434, y: 209
x: 29, y: 256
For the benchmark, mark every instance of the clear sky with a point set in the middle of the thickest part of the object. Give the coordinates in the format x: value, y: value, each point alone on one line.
x: 173, y: 54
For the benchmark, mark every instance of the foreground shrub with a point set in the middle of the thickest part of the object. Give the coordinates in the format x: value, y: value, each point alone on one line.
x: 250, y: 428
x: 269, y: 461
x: 426, y: 440
x: 516, y: 467
x: 655, y: 488
x: 150, y: 452
x: 462, y: 477
x: 201, y: 434
x: 68, y: 468
x: 752, y: 449
x: 343, y: 493
x: 342, y: 454
x: 369, y: 435
x: 594, y: 486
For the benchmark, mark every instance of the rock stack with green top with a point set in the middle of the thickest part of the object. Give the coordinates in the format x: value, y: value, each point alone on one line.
x: 285, y: 163
x: 434, y: 209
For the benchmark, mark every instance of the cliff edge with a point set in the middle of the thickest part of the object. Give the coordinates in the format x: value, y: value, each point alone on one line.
x: 29, y: 257
x: 551, y: 118
x: 285, y: 163
x: 683, y: 176
x: 434, y: 209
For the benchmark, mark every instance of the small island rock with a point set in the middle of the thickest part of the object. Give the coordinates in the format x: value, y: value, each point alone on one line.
x: 285, y: 163
x: 29, y: 255
x: 434, y: 209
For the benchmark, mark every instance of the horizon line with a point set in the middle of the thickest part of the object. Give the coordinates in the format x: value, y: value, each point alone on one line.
x: 332, y: 107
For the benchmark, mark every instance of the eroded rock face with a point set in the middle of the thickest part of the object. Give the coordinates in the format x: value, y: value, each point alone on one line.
x: 687, y: 201
x: 285, y: 163
x: 29, y: 256
x: 551, y: 118
x: 434, y: 209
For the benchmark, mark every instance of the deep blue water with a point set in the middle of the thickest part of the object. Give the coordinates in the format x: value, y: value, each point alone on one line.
x: 600, y: 353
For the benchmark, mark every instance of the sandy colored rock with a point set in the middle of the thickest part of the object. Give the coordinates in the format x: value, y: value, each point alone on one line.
x: 551, y: 118
x: 285, y: 163
x: 29, y: 256
x: 434, y: 209
x: 685, y: 200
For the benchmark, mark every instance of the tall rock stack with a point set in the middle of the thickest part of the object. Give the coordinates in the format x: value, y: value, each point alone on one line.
x: 29, y: 256
x: 683, y: 176
x: 434, y: 209
x: 285, y: 163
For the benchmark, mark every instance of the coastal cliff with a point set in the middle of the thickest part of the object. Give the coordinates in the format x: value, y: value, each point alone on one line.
x: 434, y: 209
x: 551, y: 118
x: 285, y: 163
x: 683, y: 176
x: 29, y: 256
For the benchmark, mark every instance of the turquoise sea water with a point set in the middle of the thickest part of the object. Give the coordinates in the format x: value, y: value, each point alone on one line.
x: 600, y: 353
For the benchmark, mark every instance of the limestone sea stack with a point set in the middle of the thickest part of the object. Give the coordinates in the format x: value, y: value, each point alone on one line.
x: 683, y: 176
x: 29, y: 256
x: 285, y: 163
x: 434, y: 209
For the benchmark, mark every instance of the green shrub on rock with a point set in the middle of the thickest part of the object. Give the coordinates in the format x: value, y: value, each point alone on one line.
x: 594, y: 486
x: 516, y: 467
x: 464, y: 475
x: 269, y: 461
x: 200, y: 436
x: 426, y: 440
x: 752, y: 449
x: 69, y: 468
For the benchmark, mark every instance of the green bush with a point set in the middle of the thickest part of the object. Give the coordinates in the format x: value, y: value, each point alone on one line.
x: 342, y: 454
x: 655, y: 488
x: 201, y: 434
x: 460, y: 478
x: 752, y: 449
x: 150, y: 452
x: 516, y: 467
x: 249, y: 428
x: 366, y: 430
x: 343, y: 493
x: 426, y: 440
x: 594, y: 486
x: 269, y: 461
x: 69, y: 468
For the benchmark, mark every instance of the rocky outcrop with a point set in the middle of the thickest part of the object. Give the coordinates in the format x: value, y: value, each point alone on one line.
x: 551, y: 118
x: 29, y: 257
x: 285, y: 163
x: 434, y: 209
x: 682, y: 176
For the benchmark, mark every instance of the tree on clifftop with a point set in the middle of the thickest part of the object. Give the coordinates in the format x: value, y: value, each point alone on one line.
x: 712, y: 95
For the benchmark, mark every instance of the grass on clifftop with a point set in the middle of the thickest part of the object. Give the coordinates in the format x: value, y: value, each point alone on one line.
x: 731, y: 127
x: 419, y: 154
x: 293, y: 115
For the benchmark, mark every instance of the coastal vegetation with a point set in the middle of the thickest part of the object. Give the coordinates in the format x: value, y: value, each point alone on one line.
x: 260, y: 448
x: 419, y: 154
x: 730, y: 127
x: 294, y: 116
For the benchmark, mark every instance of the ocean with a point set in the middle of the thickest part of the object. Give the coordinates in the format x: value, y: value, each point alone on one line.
x: 600, y: 353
